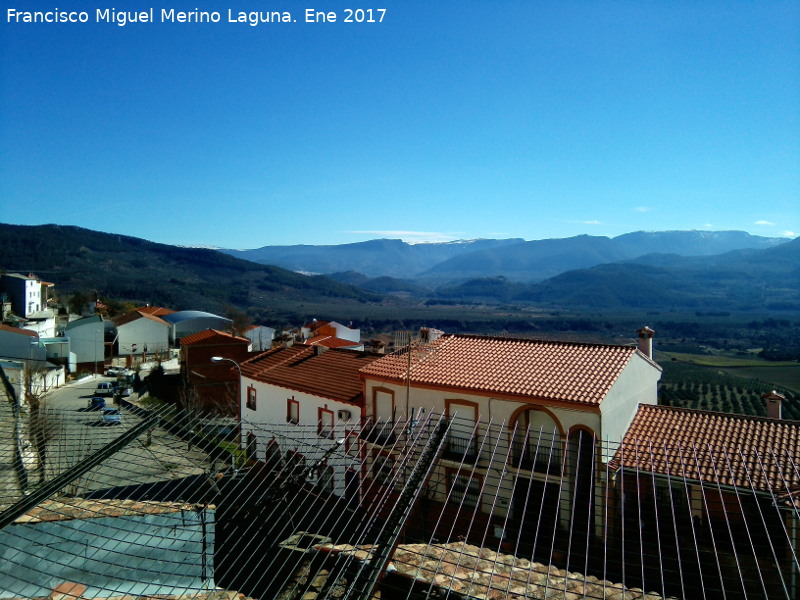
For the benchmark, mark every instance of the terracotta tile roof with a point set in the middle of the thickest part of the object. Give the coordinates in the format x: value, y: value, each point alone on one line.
x: 733, y: 450
x: 330, y: 341
x: 134, y: 315
x: 315, y: 324
x: 333, y: 374
x: 17, y: 330
x: 209, y: 334
x: 68, y: 509
x: 564, y: 371
x: 154, y: 310
x: 481, y: 573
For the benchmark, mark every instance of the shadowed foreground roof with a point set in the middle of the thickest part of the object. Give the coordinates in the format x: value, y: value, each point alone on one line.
x: 484, y: 574
x: 737, y: 450
x: 565, y: 371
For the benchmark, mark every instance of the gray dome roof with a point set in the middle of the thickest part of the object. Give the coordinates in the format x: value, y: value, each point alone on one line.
x: 185, y: 315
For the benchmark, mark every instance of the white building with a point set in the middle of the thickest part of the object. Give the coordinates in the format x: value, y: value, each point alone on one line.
x: 261, y: 337
x: 87, y: 342
x: 26, y: 292
x: 299, y: 402
x: 549, y: 403
x: 140, y: 332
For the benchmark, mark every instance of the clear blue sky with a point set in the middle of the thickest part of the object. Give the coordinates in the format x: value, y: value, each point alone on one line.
x: 450, y: 119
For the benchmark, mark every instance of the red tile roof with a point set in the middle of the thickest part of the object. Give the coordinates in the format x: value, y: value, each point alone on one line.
x: 209, y: 334
x: 133, y: 315
x: 17, y: 330
x: 330, y: 341
x: 67, y: 509
x: 563, y: 371
x: 333, y: 374
x: 154, y: 310
x: 736, y: 450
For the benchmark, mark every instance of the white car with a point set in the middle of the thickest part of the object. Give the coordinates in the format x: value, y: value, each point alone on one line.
x: 104, y: 388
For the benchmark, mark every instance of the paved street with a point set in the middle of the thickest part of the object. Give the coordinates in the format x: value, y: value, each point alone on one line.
x: 74, y: 432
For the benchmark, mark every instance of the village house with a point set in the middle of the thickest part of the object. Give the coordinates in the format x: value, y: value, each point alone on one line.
x: 87, y: 342
x: 143, y: 331
x: 26, y: 293
x: 298, y: 403
x: 543, y: 407
x: 714, y: 484
x: 260, y: 337
x: 211, y: 387
x: 331, y: 335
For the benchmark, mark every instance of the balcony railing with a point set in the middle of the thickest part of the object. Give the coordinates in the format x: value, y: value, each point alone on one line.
x: 379, y: 431
x: 461, y: 449
x: 537, y: 456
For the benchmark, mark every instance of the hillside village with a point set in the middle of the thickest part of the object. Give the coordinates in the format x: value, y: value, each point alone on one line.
x: 540, y: 457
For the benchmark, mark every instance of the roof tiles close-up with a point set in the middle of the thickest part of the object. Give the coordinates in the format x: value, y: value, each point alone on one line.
x: 564, y: 371
x: 760, y: 453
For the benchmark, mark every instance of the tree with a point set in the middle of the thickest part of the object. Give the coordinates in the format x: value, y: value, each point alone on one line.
x: 240, y: 321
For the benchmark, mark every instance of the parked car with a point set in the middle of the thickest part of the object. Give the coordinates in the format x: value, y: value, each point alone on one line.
x: 96, y: 403
x: 112, y: 416
x: 125, y: 391
x: 104, y: 388
x: 112, y: 371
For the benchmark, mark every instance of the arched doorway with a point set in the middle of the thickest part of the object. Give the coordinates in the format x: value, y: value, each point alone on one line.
x: 582, y: 449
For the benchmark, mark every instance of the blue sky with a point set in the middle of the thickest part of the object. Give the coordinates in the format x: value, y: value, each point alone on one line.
x: 448, y: 120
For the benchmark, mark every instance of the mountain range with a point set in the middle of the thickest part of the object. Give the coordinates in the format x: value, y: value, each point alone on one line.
x: 517, y: 260
x: 136, y: 270
x: 671, y: 270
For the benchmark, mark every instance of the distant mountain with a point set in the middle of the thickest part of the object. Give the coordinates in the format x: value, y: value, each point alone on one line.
x: 692, y: 243
x: 434, y: 264
x: 743, y: 280
x: 380, y: 285
x: 540, y: 259
x: 374, y: 258
x: 129, y: 268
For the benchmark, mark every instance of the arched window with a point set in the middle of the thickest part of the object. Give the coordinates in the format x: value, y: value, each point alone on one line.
x: 537, y: 442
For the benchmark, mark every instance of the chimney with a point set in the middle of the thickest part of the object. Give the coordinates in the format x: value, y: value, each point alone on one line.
x: 773, y: 401
x: 646, y: 341
x: 319, y: 349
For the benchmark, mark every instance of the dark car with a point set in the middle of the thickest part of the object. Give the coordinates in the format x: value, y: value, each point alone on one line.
x: 96, y: 403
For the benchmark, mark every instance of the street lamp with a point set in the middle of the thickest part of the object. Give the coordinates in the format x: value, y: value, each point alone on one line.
x: 219, y: 359
x: 96, y: 331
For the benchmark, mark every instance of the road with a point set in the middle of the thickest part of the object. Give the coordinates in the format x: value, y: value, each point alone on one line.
x: 74, y: 431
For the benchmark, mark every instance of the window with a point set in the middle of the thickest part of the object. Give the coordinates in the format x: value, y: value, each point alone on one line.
x: 537, y: 446
x: 251, y: 397
x: 325, y: 423
x: 252, y: 446
x: 465, y: 489
x: 272, y: 456
x: 383, y: 468
x: 462, y: 438
x: 325, y: 481
x: 292, y: 411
